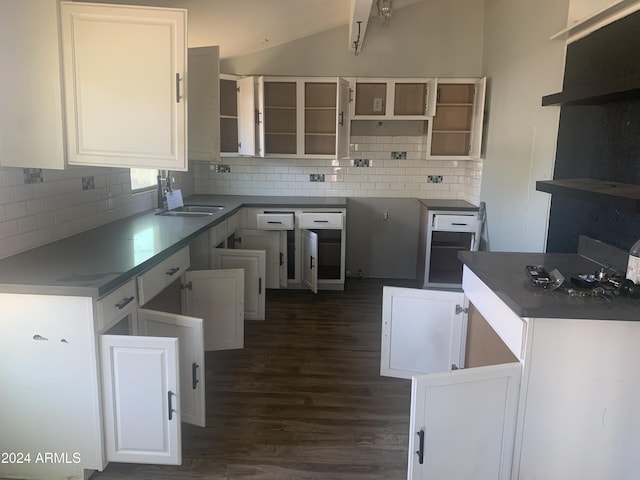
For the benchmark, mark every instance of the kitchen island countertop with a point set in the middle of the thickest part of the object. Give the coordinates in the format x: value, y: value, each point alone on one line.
x: 504, y: 273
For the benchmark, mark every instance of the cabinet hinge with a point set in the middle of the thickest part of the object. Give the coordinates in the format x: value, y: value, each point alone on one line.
x: 188, y: 286
x: 460, y: 310
x: 237, y: 89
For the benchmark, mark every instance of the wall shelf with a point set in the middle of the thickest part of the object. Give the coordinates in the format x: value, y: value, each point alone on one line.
x: 622, y: 196
x: 618, y: 88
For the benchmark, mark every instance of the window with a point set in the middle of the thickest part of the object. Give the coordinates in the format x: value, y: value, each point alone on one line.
x: 143, y: 179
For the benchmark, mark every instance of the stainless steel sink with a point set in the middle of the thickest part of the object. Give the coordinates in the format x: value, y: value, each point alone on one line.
x: 192, y: 211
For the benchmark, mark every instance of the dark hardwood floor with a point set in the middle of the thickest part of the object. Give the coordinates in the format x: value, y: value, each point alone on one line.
x: 303, y: 400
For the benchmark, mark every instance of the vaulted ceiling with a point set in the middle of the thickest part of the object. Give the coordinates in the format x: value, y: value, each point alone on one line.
x: 245, y: 26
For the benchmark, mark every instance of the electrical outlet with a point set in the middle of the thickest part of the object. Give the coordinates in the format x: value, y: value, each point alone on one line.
x: 434, y: 178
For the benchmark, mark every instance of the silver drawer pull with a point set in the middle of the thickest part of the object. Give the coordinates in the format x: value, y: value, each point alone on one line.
x: 172, y: 271
x: 124, y: 302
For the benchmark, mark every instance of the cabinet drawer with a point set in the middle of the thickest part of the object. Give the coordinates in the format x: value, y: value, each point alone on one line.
x: 157, y: 278
x: 116, y: 305
x: 219, y: 233
x: 275, y: 221
x: 321, y: 220
x: 455, y: 223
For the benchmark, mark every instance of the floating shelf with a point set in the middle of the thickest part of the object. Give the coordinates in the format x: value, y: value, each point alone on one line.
x: 622, y: 196
x: 619, y: 88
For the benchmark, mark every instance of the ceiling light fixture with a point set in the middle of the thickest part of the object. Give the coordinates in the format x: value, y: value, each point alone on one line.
x: 384, y: 10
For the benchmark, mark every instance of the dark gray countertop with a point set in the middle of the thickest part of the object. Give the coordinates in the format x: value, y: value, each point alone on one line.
x: 97, y: 261
x: 504, y: 273
x: 453, y: 205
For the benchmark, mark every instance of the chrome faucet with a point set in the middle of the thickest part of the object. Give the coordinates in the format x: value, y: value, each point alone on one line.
x: 165, y: 185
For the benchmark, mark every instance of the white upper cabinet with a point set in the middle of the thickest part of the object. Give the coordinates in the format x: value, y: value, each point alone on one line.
x: 31, y: 115
x: 302, y: 117
x: 121, y: 72
x: 455, y: 131
x: 393, y: 98
x: 204, y: 109
x: 125, y: 86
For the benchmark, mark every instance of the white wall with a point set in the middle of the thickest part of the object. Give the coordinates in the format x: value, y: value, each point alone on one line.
x: 522, y: 65
x: 429, y: 38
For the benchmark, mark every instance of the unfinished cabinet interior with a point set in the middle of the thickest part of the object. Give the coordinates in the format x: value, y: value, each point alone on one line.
x: 400, y: 99
x: 303, y: 116
x: 456, y: 129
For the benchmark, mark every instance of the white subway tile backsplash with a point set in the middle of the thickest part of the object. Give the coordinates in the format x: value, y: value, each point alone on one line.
x: 32, y: 214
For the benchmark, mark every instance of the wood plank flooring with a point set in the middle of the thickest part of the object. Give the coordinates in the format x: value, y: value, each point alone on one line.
x: 303, y: 400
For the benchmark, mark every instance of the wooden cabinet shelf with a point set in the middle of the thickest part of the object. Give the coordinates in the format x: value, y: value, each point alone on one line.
x: 304, y: 116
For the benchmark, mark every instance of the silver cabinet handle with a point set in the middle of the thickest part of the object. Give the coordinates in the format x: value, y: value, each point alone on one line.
x: 124, y: 302
x: 172, y: 271
x: 178, y: 97
x: 169, y: 398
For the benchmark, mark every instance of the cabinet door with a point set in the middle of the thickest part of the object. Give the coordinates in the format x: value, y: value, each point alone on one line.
x: 204, y: 104
x: 269, y: 241
x: 463, y: 423
x: 246, y: 116
x: 125, y: 86
x: 188, y: 331
x: 31, y: 116
x: 344, y: 122
x: 217, y: 296
x: 253, y: 264
x: 310, y: 259
x: 423, y: 331
x: 141, y: 399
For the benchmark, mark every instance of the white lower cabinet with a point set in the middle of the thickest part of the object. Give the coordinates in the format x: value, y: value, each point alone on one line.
x: 189, y: 332
x: 463, y: 423
x: 140, y: 381
x: 463, y: 420
x: 422, y: 331
x: 273, y: 243
x: 217, y: 296
x: 50, y: 388
x: 253, y: 262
